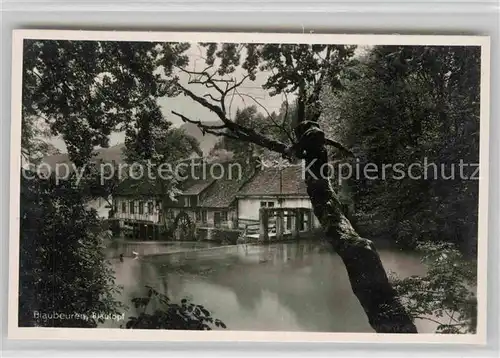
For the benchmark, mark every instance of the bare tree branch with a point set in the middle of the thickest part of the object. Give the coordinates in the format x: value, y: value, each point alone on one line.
x: 215, y: 130
x: 217, y: 110
x: 253, y: 137
x: 285, y: 117
x: 237, y: 84
x: 240, y: 132
x: 211, y: 97
x: 231, y: 102
x: 339, y: 146
x: 269, y: 115
x: 209, y: 82
x: 286, y: 109
x: 319, y: 82
x: 199, y: 123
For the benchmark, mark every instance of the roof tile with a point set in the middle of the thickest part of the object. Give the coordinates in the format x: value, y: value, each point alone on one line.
x: 276, y: 181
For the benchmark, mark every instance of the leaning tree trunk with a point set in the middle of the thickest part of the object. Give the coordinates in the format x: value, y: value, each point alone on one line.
x: 366, y: 273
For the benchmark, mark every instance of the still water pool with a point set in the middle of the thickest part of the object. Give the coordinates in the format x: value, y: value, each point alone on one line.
x: 298, y: 286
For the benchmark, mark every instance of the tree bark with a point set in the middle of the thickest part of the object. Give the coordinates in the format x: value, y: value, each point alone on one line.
x: 366, y: 273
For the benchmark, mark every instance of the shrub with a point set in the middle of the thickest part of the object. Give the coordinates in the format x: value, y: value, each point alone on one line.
x: 446, y: 294
x: 62, y: 265
x: 185, y: 316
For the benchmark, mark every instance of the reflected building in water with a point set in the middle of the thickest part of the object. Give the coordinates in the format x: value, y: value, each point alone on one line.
x: 298, y: 286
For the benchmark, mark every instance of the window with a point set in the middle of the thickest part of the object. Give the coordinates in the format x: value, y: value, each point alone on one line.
x: 186, y: 201
x: 124, y: 206
x: 220, y: 218
x: 150, y: 208
x: 141, y: 208
x: 288, y: 220
x: 198, y: 216
x: 204, y: 216
x: 132, y: 207
x: 217, y: 219
x: 268, y: 204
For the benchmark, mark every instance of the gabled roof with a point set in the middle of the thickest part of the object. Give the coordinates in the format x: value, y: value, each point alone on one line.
x: 196, y: 187
x: 212, y: 192
x: 221, y: 194
x: 137, y: 187
x: 276, y: 181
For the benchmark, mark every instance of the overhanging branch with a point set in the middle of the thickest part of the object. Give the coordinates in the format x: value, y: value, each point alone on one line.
x: 199, y: 123
x: 229, y: 128
x: 235, y: 131
x: 339, y: 146
x: 277, y: 125
x: 215, y: 130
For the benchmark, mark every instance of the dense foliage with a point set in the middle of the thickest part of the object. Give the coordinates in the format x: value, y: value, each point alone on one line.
x: 412, y: 105
x: 155, y: 148
x: 85, y: 90
x: 158, y: 312
x: 278, y: 126
x: 446, y: 294
x: 62, y: 265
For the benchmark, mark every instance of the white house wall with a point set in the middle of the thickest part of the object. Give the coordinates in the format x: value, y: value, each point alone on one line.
x: 248, y: 208
x: 101, y: 206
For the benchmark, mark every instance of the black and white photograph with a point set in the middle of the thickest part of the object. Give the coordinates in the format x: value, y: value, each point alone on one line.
x: 239, y: 186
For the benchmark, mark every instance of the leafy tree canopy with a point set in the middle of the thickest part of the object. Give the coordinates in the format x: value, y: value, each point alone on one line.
x: 407, y: 104
x: 84, y: 90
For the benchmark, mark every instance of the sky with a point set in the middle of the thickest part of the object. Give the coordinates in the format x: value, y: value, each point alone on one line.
x: 195, y: 111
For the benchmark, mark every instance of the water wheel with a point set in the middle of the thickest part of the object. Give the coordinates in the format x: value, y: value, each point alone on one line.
x: 183, y: 227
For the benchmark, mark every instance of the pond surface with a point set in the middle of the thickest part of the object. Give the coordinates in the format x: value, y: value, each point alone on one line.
x: 297, y: 286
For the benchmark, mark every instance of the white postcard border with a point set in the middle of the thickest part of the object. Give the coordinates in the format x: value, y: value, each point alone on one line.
x: 102, y: 334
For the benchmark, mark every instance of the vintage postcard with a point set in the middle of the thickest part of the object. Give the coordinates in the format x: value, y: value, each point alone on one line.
x: 249, y: 186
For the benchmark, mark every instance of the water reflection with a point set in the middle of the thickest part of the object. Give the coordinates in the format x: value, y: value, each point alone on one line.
x: 301, y: 286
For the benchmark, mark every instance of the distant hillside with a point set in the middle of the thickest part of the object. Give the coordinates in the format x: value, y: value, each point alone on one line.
x: 207, y: 141
x: 114, y: 153
x: 107, y: 155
